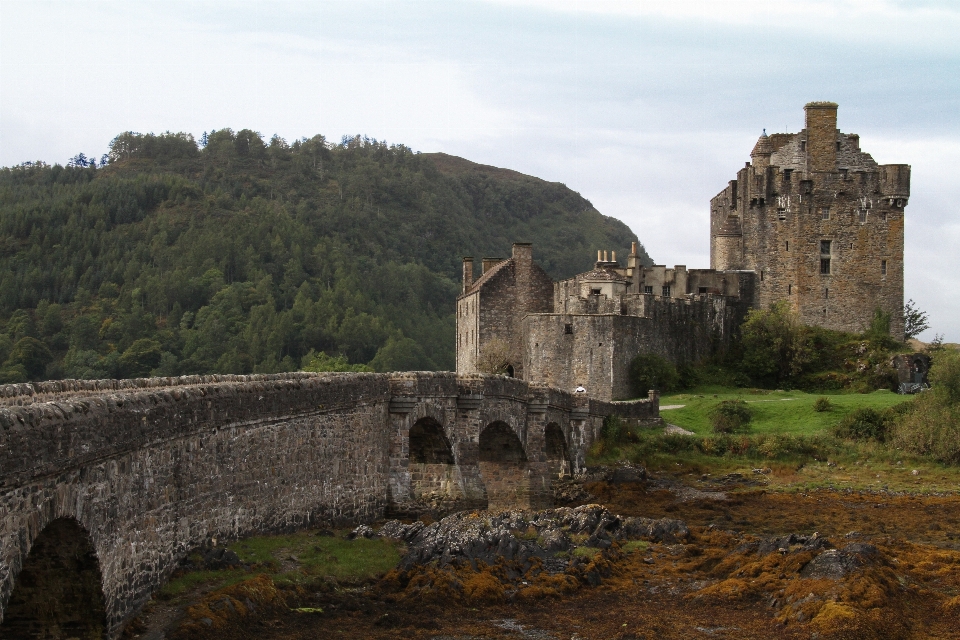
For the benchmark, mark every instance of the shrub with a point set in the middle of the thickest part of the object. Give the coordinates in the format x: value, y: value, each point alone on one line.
x: 650, y: 371
x: 862, y: 424
x: 822, y: 404
x: 613, y: 434
x: 688, y: 376
x: 932, y: 425
x: 777, y: 349
x: 930, y: 429
x: 730, y: 416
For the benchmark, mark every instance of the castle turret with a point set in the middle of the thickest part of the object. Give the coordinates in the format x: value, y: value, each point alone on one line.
x: 762, y: 151
x: 728, y: 245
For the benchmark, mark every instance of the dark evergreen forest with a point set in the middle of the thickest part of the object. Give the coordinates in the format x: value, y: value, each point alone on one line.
x: 238, y: 255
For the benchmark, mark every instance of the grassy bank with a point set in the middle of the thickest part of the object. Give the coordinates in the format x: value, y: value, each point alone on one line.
x: 298, y: 558
x: 774, y: 412
x: 788, y: 444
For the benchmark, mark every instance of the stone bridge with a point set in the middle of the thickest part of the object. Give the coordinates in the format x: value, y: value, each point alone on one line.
x: 106, y: 485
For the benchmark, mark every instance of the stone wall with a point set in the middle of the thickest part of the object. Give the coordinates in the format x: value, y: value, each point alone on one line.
x: 566, y: 350
x: 150, y: 469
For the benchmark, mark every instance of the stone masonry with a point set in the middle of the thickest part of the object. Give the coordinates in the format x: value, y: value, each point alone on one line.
x: 135, y: 473
x: 820, y: 223
x: 586, y: 330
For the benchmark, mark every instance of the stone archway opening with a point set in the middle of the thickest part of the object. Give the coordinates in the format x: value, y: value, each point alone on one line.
x: 503, y: 467
x: 58, y: 593
x: 557, y: 451
x: 432, y: 469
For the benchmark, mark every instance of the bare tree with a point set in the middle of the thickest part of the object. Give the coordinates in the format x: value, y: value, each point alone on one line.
x: 494, y: 357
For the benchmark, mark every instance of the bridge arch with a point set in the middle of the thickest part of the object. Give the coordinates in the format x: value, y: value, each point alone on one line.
x: 433, y: 472
x: 503, y: 467
x: 58, y: 592
x: 557, y: 451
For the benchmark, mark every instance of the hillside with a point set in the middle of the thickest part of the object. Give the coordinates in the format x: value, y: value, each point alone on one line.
x: 240, y: 255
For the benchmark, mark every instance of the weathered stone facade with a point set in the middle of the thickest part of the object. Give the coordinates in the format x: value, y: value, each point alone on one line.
x: 820, y: 222
x: 491, y: 309
x: 597, y: 322
x: 145, y: 470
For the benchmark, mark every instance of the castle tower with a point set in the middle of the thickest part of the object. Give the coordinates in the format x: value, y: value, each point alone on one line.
x: 821, y: 224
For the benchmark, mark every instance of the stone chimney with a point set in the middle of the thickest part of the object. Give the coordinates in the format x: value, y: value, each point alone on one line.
x: 486, y: 263
x: 467, y: 273
x: 523, y: 252
x: 821, y: 132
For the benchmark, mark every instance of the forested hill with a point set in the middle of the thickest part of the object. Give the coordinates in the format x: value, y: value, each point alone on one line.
x: 239, y: 255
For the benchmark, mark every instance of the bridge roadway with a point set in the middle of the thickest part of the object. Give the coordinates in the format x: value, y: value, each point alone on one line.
x: 106, y: 485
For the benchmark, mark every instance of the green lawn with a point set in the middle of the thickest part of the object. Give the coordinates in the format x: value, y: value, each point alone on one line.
x: 788, y: 412
x: 296, y: 558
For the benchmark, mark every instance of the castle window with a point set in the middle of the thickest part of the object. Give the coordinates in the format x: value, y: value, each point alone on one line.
x: 825, y: 257
x: 786, y: 174
x: 883, y: 216
x: 701, y: 289
x: 862, y: 215
x: 648, y: 289
x: 594, y: 292
x: 838, y: 145
x: 666, y: 291
x: 789, y: 289
x: 568, y: 328
x: 826, y: 294
x: 787, y: 244
x: 883, y: 267
x: 761, y: 276
x: 825, y: 213
x: 803, y: 145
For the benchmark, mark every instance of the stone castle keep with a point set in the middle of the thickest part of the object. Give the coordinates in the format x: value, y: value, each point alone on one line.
x: 819, y: 222
x: 812, y: 220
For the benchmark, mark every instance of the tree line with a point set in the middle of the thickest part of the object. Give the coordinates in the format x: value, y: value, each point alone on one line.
x: 242, y: 255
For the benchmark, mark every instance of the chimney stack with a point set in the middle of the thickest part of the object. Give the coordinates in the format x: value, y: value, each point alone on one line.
x: 486, y: 263
x: 467, y: 273
x: 821, y: 131
x: 523, y: 251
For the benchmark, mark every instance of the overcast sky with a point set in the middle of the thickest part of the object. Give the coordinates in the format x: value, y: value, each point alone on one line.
x: 646, y: 108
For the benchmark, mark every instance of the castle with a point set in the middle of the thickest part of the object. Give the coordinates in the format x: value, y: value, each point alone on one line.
x: 812, y: 220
